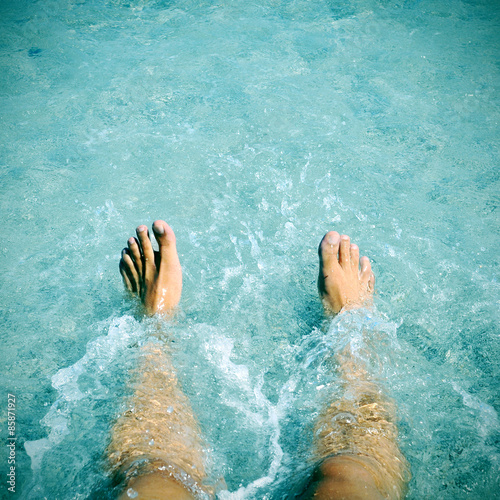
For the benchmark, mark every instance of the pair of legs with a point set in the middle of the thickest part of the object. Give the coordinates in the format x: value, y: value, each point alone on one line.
x: 156, y: 444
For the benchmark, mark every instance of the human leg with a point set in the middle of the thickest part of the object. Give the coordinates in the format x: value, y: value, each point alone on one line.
x: 356, y: 437
x: 156, y: 444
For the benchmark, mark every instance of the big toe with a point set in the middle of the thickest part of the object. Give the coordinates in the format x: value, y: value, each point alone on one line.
x: 329, y: 248
x: 167, y: 258
x: 164, y: 234
x: 328, y: 257
x: 165, y: 237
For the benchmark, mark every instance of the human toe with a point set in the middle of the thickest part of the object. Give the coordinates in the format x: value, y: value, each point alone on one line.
x: 345, y: 250
x: 329, y: 245
x: 129, y: 272
x: 135, y: 253
x: 366, y: 270
x: 329, y: 248
x: 354, y: 256
x: 164, y: 234
x: 145, y: 243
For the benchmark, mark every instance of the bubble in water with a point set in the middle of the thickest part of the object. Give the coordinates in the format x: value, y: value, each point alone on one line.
x: 344, y: 418
x: 152, y: 442
x: 131, y: 493
x: 170, y: 409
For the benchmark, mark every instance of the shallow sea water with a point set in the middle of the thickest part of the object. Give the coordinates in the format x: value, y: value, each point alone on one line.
x: 252, y: 128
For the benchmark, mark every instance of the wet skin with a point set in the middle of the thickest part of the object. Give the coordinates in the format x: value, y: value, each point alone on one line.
x: 345, y: 281
x: 155, y: 276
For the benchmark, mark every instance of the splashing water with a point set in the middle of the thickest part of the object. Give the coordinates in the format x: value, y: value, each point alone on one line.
x: 252, y: 128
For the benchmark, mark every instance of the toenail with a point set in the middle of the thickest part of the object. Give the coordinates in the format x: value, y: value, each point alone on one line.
x: 131, y: 241
x: 142, y: 228
x: 159, y: 229
x: 331, y: 238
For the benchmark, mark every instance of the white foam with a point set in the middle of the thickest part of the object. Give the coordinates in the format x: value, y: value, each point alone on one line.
x: 488, y: 422
x: 267, y: 415
x: 100, y: 353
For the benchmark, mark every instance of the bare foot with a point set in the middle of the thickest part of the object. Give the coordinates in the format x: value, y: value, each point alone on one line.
x: 156, y: 277
x: 341, y: 283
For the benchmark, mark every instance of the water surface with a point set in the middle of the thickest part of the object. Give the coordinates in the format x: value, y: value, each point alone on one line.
x: 252, y: 128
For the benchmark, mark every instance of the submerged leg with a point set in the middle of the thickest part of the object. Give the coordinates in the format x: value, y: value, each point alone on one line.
x: 356, y: 437
x: 156, y: 445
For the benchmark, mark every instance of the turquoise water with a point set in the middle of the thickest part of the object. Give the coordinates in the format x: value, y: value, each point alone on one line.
x: 252, y: 128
